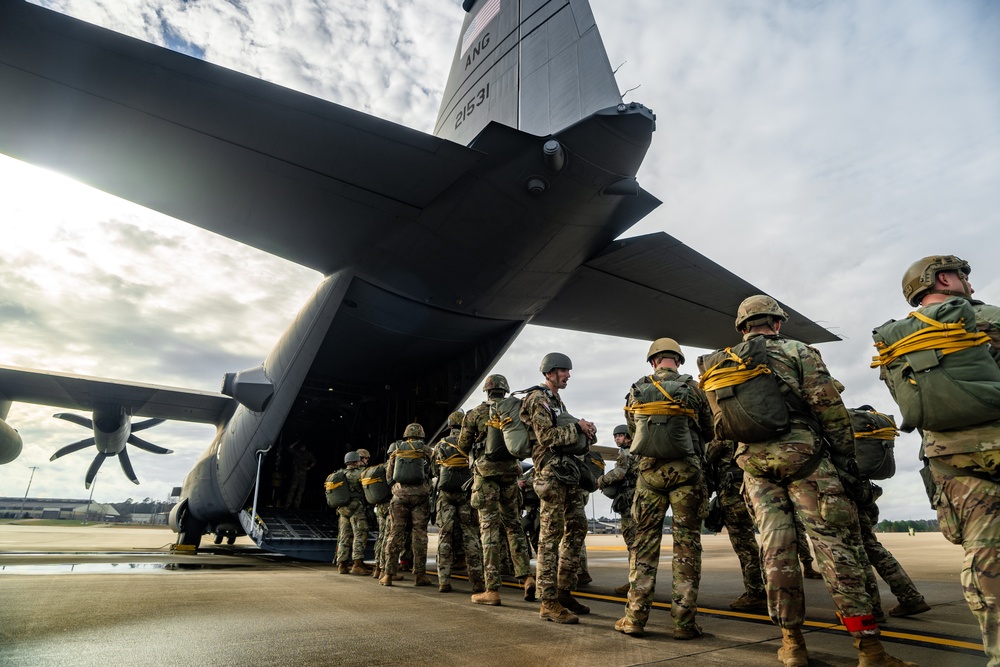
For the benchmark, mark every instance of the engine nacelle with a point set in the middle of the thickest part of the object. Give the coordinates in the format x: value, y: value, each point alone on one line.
x: 10, y: 443
x: 252, y: 388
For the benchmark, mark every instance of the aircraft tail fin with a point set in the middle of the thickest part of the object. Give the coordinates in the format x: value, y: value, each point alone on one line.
x: 535, y: 65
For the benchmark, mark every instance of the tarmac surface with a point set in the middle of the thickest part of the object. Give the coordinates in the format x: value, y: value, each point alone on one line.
x: 111, y: 596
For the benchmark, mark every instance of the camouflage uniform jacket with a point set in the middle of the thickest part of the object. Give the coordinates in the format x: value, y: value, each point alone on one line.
x: 412, y: 490
x: 353, y: 476
x: 472, y: 443
x: 703, y: 426
x: 980, y: 438
x: 539, y: 410
x: 802, y: 370
x: 625, y: 472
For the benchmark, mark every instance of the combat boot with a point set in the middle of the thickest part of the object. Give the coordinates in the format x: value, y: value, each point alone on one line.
x: 909, y: 609
x: 529, y: 588
x: 629, y: 628
x: 871, y: 653
x: 793, y: 648
x: 360, y: 568
x: 377, y: 572
x: 553, y: 611
x: 343, y: 568
x: 478, y: 585
x: 567, y: 600
x: 689, y: 631
x: 386, y: 579
x: 749, y: 601
x: 809, y: 573
x: 421, y: 579
x: 583, y: 579
x: 491, y: 598
x: 444, y: 588
x: 623, y: 589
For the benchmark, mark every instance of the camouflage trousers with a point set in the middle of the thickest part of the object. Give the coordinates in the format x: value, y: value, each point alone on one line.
x: 402, y: 508
x: 352, y: 531
x: 886, y: 564
x: 739, y: 525
x: 628, y: 529
x: 582, y: 520
x: 382, y: 514
x: 805, y: 553
x: 498, y: 501
x: 679, y: 486
x: 562, y: 529
x: 831, y: 520
x: 967, y: 507
x: 456, y: 522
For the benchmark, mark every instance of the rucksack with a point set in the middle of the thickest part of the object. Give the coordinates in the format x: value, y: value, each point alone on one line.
x: 938, y: 368
x: 507, y: 436
x: 874, y: 436
x: 577, y: 447
x: 663, y: 415
x: 374, y: 484
x: 744, y: 393
x: 411, y: 463
x: 338, y: 491
x: 453, y: 466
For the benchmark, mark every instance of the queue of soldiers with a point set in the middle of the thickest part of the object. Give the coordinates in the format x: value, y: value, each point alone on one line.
x: 765, y: 429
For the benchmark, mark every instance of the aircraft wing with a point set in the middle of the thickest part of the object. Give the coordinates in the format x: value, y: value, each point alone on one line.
x: 653, y: 286
x: 78, y: 392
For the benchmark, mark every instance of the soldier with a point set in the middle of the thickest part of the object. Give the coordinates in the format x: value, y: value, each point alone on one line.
x: 556, y: 441
x: 352, y: 526
x: 384, y: 528
x: 623, y: 477
x: 495, y: 495
x: 739, y: 523
x: 411, y: 469
x: 792, y: 474
x: 454, y: 513
x: 964, y: 462
x: 671, y: 478
x: 530, y: 503
x: 302, y: 462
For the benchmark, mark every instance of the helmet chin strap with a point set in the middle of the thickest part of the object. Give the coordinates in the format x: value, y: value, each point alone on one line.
x: 950, y: 292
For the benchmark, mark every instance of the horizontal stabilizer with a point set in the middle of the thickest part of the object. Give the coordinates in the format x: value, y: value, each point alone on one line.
x: 652, y: 286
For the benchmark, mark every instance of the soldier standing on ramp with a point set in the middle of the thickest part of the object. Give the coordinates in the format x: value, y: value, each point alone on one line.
x: 352, y: 529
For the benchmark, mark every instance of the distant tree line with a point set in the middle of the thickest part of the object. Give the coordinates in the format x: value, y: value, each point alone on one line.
x: 918, y: 526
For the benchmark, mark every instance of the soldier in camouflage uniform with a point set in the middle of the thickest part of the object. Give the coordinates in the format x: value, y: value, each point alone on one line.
x: 409, y: 502
x: 562, y: 520
x: 530, y: 504
x: 794, y: 474
x: 677, y: 484
x: 623, y: 477
x: 496, y: 497
x: 964, y: 463
x: 454, y: 513
x: 384, y: 528
x: 352, y: 527
x: 739, y: 523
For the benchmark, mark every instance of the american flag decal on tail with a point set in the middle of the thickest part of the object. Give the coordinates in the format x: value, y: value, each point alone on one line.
x: 483, y: 18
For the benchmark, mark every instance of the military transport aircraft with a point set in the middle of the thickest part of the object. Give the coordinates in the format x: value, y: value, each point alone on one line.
x: 436, y: 250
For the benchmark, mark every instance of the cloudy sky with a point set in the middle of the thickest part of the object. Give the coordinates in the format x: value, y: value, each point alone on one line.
x: 815, y: 149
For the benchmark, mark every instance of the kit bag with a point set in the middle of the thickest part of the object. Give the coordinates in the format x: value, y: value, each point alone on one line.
x: 374, y: 485
x: 338, y: 491
x: 744, y: 393
x: 411, y: 464
x: 663, y: 415
x: 507, y: 437
x: 874, y: 439
x: 591, y: 467
x: 938, y: 368
x: 453, y: 466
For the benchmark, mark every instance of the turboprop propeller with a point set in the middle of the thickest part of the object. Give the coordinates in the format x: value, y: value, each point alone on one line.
x: 113, y: 430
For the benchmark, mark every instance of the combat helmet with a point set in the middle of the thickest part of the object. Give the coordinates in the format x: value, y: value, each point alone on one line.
x: 455, y: 419
x: 352, y: 457
x: 664, y: 345
x: 919, y: 278
x: 621, y: 429
x: 554, y: 360
x: 758, y: 306
x: 496, y: 383
x: 414, y: 431
x: 363, y: 453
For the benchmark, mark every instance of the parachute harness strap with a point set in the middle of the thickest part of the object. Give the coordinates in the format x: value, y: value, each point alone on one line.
x: 717, y: 378
x: 671, y: 406
x: 887, y: 433
x: 943, y: 337
x: 330, y: 486
x: 455, y: 461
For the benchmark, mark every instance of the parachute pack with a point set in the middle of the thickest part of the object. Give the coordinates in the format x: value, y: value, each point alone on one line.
x: 662, y: 414
x: 592, y: 468
x: 338, y: 491
x: 507, y: 436
x: 411, y: 463
x: 874, y: 438
x: 744, y: 393
x: 375, y: 486
x: 453, y: 466
x: 938, y: 368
